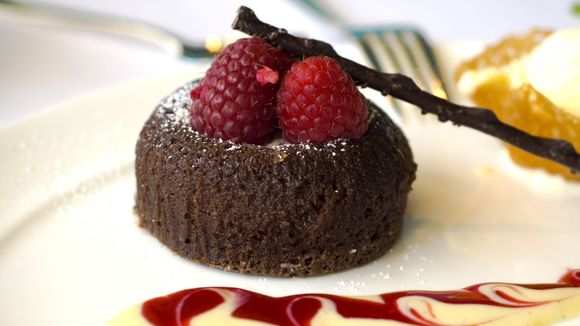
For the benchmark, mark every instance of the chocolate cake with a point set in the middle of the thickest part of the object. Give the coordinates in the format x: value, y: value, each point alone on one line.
x: 274, y: 209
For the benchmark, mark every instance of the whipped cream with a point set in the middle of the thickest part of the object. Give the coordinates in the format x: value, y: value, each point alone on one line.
x: 552, y: 68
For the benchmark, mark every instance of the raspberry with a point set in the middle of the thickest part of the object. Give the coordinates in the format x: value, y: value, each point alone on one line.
x: 318, y: 101
x: 231, y: 102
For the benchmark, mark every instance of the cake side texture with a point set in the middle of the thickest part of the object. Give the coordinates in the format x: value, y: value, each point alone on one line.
x: 276, y: 209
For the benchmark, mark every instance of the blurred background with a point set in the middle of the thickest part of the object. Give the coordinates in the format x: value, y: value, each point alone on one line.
x: 42, y: 64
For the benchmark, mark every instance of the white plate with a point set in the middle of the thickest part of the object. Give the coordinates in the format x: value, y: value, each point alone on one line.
x: 71, y: 252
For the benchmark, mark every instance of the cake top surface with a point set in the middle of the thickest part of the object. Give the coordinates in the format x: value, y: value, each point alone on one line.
x: 175, y: 112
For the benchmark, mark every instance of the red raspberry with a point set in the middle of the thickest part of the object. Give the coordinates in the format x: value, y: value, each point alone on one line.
x: 230, y: 102
x: 318, y: 101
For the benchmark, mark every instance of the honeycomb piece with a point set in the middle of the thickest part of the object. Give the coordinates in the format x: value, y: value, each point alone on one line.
x: 523, y: 106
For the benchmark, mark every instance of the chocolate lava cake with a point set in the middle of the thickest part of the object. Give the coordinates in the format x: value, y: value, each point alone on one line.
x: 275, y: 209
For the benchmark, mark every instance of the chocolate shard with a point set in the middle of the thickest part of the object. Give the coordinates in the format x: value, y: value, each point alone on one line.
x: 404, y: 88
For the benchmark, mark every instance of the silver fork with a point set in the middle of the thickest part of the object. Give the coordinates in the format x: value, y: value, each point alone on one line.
x: 396, y: 49
x: 55, y: 16
x: 390, y: 49
x: 406, y: 51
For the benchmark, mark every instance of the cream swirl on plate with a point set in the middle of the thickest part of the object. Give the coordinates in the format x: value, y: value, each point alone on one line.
x: 487, y: 303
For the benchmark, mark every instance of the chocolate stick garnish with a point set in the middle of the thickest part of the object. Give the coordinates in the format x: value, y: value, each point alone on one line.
x: 403, y: 87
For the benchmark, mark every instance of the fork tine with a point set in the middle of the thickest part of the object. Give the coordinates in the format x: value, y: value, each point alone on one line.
x: 393, y: 46
x: 379, y: 55
x: 408, y: 65
x: 381, y: 61
x: 403, y: 50
x: 402, y: 56
x: 423, y: 56
x: 414, y: 50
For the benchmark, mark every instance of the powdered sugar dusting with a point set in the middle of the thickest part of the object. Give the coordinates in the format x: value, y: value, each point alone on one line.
x: 175, y: 112
x: 233, y: 148
x: 176, y: 106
